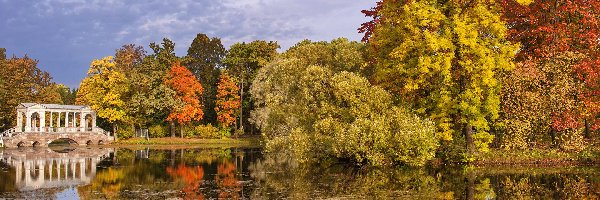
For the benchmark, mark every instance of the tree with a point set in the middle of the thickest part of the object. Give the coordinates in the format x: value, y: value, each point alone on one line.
x: 569, y: 38
x: 188, y: 90
x: 67, y: 95
x: 22, y: 81
x: 204, y: 57
x: 310, y: 102
x: 444, y: 58
x: 103, y: 90
x: 151, y: 101
x: 228, y: 101
x: 244, y: 60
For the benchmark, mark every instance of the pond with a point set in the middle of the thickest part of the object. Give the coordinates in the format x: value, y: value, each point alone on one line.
x: 238, y: 173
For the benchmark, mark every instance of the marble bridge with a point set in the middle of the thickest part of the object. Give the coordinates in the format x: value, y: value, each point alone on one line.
x: 40, y: 124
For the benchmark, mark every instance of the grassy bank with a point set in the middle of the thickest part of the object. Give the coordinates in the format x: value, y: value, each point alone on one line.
x: 224, y: 142
x: 538, y: 157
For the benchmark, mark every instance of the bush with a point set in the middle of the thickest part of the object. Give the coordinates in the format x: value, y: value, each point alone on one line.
x: 158, y: 130
x: 202, y: 131
x: 309, y: 104
x: 124, y: 132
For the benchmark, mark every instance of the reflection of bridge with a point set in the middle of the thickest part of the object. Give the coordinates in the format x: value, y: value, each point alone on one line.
x: 44, y: 168
x: 45, y: 123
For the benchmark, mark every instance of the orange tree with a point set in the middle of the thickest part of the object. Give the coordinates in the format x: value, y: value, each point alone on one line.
x: 188, y: 90
x: 228, y: 101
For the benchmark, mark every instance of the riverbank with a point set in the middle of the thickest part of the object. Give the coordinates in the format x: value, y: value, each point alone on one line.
x: 538, y: 157
x: 251, y: 142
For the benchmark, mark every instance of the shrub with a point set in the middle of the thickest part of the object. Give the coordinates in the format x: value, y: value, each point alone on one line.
x: 308, y: 103
x: 158, y: 130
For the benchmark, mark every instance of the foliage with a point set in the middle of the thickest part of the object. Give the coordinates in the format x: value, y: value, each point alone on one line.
x: 228, y: 101
x: 204, y: 57
x: 568, y: 39
x: 308, y: 103
x: 22, y: 81
x: 244, y: 60
x: 158, y: 130
x: 151, y: 101
x: 444, y: 58
x: 188, y: 89
x: 103, y: 89
x: 202, y: 131
x: 537, y: 97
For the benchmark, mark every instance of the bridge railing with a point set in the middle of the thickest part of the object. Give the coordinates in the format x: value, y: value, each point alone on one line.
x: 9, y: 133
x: 100, y: 130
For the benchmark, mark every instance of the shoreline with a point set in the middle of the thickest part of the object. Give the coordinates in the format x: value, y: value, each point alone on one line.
x: 250, y: 142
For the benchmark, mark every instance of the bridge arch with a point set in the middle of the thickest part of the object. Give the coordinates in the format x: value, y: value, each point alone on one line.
x: 89, y: 142
x: 61, y: 141
x: 36, y: 144
x: 100, y: 142
x: 21, y: 144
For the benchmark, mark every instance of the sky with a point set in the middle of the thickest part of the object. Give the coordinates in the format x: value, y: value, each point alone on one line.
x: 66, y: 35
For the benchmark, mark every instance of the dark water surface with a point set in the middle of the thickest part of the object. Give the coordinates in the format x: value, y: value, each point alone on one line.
x: 235, y: 173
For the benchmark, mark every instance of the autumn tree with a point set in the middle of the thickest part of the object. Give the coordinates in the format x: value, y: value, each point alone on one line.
x: 188, y: 91
x: 151, y: 100
x: 573, y: 30
x: 444, y: 59
x: 103, y: 90
x: 22, y: 81
x: 204, y: 58
x: 244, y: 60
x: 228, y: 101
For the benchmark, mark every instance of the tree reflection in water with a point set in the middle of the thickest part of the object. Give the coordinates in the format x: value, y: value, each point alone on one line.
x: 228, y: 184
x: 191, y: 178
x: 250, y: 174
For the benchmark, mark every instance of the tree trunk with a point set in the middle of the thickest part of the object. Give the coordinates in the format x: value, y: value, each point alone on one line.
x: 554, y: 144
x: 241, y: 105
x: 586, y: 134
x: 181, y: 130
x: 468, y: 132
x: 172, y: 124
x: 470, y: 186
x: 114, y: 128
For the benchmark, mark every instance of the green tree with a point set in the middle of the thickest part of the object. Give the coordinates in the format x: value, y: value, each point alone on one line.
x: 309, y: 101
x: 204, y: 58
x: 444, y: 58
x: 244, y: 60
x: 103, y: 90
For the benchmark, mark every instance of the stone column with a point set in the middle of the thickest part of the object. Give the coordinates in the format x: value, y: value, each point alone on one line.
x: 19, y: 122
x: 58, y: 121
x: 66, y: 121
x: 42, y: 115
x: 93, y: 121
x: 81, y: 121
x: 50, y: 128
x: 27, y: 121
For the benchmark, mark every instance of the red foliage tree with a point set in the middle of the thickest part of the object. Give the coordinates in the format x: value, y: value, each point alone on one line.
x: 188, y: 90
x: 228, y: 101
x: 546, y: 28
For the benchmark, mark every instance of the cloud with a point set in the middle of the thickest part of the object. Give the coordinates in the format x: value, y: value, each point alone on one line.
x: 65, y: 35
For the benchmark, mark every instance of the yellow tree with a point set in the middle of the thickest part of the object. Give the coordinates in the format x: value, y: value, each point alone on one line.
x: 188, y: 91
x: 444, y: 58
x: 103, y: 90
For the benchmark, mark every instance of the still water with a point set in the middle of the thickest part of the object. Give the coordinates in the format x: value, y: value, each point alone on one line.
x: 235, y: 173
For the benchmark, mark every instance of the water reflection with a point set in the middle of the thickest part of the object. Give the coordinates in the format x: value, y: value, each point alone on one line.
x: 46, y: 168
x: 230, y: 173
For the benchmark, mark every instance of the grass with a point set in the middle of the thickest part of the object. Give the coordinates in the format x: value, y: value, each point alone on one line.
x: 538, y: 157
x: 197, y: 142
